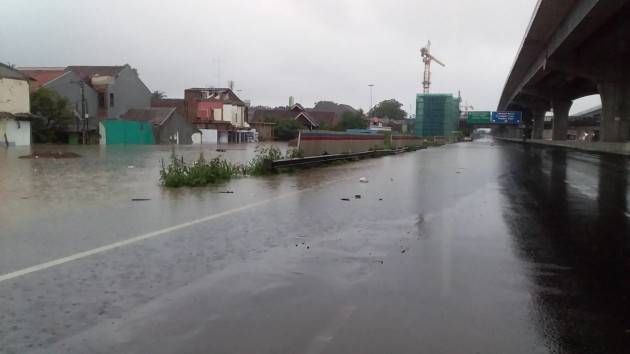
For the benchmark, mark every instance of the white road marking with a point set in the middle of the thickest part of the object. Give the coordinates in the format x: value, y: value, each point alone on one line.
x: 321, y: 341
x: 139, y: 238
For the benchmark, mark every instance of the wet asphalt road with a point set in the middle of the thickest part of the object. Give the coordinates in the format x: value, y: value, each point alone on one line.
x: 467, y: 248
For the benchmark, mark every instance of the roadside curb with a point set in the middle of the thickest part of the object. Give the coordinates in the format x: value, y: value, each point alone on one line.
x: 592, y: 148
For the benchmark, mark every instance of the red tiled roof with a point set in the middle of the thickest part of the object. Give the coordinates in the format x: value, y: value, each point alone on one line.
x: 259, y: 115
x: 149, y: 115
x: 315, y: 117
x: 321, y: 117
x: 43, y: 77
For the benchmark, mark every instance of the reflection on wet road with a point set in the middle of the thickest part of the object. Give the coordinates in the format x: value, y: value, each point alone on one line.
x: 466, y: 248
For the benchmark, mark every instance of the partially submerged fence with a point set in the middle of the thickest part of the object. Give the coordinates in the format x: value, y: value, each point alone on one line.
x: 271, y: 165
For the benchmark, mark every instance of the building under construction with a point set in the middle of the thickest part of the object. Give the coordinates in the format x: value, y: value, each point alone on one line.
x: 437, y: 114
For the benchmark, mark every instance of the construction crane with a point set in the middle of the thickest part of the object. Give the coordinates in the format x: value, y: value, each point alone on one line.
x: 427, y: 58
x: 463, y: 107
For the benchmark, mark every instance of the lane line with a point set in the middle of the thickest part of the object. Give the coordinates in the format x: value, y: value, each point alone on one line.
x: 139, y: 238
x: 321, y: 341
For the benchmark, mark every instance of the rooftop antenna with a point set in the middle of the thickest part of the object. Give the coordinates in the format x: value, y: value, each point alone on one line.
x: 219, y: 61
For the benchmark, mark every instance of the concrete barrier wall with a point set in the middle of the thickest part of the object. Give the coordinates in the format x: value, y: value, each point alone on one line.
x: 325, y: 142
x: 403, y: 141
x: 329, y: 142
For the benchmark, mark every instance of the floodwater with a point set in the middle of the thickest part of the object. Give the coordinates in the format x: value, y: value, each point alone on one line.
x: 64, y: 196
x: 473, y: 247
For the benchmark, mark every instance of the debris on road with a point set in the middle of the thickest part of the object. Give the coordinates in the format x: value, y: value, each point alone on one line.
x: 139, y: 199
x: 345, y: 199
x: 226, y: 192
x: 363, y: 180
x: 357, y: 196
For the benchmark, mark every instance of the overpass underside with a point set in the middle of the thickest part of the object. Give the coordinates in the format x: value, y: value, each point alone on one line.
x: 572, y: 49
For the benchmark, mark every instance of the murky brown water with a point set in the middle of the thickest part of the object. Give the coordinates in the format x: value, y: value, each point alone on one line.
x: 464, y: 248
x: 100, y: 176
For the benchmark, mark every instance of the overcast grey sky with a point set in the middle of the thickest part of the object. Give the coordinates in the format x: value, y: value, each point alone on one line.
x: 311, y: 49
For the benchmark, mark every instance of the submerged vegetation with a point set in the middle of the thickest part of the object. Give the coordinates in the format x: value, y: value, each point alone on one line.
x: 218, y: 170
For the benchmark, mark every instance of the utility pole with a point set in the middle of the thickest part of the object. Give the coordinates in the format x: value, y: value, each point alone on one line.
x: 83, y: 118
x: 371, y: 85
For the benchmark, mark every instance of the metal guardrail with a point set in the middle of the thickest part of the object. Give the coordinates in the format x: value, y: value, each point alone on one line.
x: 271, y: 165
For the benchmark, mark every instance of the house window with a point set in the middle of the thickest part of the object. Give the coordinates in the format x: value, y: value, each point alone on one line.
x: 111, y: 100
x: 101, y: 100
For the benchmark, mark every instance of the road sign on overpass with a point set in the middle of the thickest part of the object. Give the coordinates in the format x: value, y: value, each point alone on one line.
x: 478, y: 117
x: 506, y: 117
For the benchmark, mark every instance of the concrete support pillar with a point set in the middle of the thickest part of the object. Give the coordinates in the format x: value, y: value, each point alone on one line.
x: 615, y: 125
x: 538, y: 116
x: 560, y: 118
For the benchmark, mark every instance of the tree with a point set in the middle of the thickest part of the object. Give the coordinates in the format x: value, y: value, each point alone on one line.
x: 388, y: 109
x: 352, y: 120
x: 52, y: 110
x: 285, y: 129
x: 50, y: 105
x: 157, y: 95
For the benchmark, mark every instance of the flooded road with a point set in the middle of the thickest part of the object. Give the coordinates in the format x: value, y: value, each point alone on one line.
x: 473, y: 247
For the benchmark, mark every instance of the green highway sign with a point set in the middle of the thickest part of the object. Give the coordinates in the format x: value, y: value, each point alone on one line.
x: 478, y: 117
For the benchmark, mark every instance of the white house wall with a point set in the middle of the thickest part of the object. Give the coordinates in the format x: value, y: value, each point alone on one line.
x: 103, y: 132
x: 229, y: 113
x: 14, y: 96
x: 209, y: 136
x: 15, y: 133
x: 216, y: 113
x: 235, y: 115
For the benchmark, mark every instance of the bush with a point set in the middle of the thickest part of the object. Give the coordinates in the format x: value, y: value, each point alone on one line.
x: 257, y: 167
x: 200, y: 173
x: 218, y: 170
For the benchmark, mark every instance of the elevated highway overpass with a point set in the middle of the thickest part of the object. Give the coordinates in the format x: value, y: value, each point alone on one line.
x: 573, y: 49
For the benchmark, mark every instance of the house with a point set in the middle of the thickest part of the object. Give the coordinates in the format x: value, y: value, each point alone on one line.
x: 215, y: 110
x: 178, y: 103
x: 108, y: 91
x: 324, y: 119
x: 15, y: 116
x: 168, y: 126
x: 67, y: 84
x: 118, y: 88
x: 264, y: 130
x: 339, y: 109
x: 219, y: 109
x: 310, y: 119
